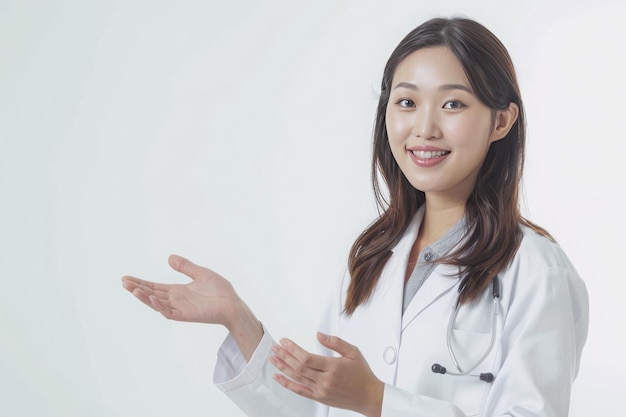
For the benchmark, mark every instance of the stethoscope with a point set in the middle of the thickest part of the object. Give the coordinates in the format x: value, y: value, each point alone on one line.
x: 487, y: 377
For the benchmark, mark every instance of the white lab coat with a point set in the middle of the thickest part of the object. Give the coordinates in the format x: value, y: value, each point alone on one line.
x: 541, y: 329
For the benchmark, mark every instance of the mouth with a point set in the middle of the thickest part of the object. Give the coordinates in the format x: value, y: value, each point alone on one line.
x: 429, y: 154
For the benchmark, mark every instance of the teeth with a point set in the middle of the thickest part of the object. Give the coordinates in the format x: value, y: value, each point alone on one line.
x: 429, y: 154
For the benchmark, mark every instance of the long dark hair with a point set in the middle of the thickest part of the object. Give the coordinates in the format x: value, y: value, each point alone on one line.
x: 492, y: 210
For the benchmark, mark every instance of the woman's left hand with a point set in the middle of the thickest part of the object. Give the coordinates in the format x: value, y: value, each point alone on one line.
x: 344, y: 382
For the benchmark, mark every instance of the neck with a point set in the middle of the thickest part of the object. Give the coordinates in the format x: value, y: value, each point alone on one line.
x: 438, y: 219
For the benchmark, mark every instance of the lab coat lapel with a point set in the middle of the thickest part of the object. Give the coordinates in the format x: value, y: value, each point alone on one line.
x: 440, y: 283
x: 390, y: 287
x: 391, y: 283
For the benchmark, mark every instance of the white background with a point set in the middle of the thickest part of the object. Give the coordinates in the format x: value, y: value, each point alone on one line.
x: 239, y: 135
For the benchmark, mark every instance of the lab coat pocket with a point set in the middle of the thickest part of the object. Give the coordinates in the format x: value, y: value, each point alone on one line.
x: 471, y: 350
x: 473, y: 354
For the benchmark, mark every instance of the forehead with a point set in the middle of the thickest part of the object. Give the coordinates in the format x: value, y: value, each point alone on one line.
x: 430, y: 66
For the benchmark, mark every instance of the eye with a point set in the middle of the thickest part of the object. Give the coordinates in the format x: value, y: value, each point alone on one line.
x: 406, y: 103
x: 453, y: 104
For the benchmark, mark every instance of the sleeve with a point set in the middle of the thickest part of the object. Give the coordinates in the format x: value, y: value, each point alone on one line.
x: 250, y: 384
x: 543, y: 336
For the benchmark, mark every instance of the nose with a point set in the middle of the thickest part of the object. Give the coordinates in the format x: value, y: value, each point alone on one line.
x: 425, y: 124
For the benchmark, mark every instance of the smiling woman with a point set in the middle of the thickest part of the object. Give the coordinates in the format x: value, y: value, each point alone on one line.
x: 439, y: 130
x: 450, y: 265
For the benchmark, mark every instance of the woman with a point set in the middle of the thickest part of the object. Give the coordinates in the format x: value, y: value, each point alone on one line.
x: 453, y: 304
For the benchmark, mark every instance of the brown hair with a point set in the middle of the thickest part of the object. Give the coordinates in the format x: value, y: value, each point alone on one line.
x: 492, y: 212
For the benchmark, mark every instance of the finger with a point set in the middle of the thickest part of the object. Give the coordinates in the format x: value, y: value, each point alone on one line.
x: 294, y: 386
x: 155, y: 299
x: 185, y: 266
x: 130, y: 283
x: 291, y: 373
x: 302, y: 356
x: 143, y: 297
x: 290, y: 366
x: 149, y: 299
x: 338, y: 345
x: 167, y: 309
x: 161, y: 306
x: 132, y: 286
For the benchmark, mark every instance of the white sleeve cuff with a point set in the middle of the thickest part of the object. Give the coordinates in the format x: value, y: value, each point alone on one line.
x: 232, y: 371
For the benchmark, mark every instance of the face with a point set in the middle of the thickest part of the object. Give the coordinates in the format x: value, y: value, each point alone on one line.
x: 439, y: 131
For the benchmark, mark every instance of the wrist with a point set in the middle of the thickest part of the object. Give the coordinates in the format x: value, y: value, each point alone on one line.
x: 234, y: 314
x: 245, y: 328
x: 374, y: 403
x: 240, y: 318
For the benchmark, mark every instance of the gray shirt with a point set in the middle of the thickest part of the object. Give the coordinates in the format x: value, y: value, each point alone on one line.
x: 426, y: 261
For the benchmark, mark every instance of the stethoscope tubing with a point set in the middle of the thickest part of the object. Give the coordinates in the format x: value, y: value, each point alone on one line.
x: 492, y: 340
x: 487, y: 377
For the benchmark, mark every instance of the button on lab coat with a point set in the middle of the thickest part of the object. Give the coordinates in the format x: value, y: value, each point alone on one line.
x: 541, y: 328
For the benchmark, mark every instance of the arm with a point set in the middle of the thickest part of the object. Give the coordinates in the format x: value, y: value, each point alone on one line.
x: 251, y: 385
x: 243, y: 371
x: 543, y: 336
x: 339, y: 376
x: 545, y: 318
x: 208, y: 298
x: 343, y: 382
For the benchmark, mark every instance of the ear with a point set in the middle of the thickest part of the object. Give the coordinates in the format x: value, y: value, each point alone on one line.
x: 504, y: 120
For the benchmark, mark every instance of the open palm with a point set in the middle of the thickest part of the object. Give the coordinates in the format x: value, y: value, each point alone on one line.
x: 208, y: 298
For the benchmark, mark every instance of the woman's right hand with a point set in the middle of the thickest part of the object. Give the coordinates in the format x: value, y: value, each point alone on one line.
x: 208, y: 298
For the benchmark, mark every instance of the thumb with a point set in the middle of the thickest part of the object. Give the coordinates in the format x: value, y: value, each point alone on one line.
x: 184, y: 266
x: 338, y: 345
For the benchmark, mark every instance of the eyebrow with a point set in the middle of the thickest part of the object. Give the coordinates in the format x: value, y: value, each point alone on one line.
x: 444, y: 87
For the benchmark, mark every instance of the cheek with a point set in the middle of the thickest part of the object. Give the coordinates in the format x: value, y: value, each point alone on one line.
x: 467, y: 133
x: 397, y: 127
x: 395, y: 139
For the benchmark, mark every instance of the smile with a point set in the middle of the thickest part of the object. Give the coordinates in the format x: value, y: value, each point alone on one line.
x: 429, y: 154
